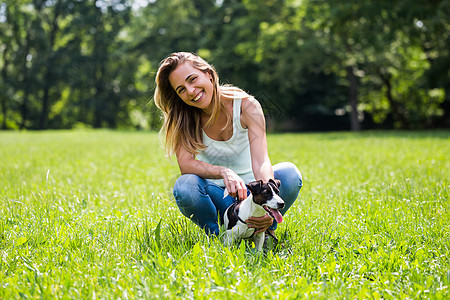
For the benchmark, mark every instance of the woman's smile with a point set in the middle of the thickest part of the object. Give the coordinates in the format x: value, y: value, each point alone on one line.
x: 199, y: 95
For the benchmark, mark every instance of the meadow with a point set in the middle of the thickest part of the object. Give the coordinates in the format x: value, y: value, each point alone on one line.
x: 90, y: 214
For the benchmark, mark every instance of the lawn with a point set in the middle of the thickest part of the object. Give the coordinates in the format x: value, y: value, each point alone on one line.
x: 89, y: 214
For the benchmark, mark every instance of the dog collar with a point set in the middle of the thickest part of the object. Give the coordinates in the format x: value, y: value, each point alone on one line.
x: 239, y: 218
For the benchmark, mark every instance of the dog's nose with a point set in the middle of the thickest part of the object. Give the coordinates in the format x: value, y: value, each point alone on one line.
x: 280, y: 205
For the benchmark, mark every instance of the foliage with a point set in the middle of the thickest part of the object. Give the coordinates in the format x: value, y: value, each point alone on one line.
x: 316, y: 65
x: 370, y: 223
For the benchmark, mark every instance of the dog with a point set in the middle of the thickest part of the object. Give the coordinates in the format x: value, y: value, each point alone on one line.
x: 263, y: 199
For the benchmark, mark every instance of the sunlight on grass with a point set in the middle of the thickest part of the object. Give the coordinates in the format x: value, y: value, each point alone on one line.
x: 90, y: 214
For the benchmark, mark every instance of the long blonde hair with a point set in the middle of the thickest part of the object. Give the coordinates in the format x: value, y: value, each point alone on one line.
x: 182, y: 123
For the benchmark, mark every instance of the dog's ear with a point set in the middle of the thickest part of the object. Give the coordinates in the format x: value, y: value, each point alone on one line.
x: 255, y: 186
x: 275, y: 183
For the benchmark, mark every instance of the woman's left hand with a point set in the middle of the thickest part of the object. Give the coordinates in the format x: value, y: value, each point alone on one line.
x: 261, y: 223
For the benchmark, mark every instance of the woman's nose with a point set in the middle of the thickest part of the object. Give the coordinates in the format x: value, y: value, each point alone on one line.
x: 190, y: 89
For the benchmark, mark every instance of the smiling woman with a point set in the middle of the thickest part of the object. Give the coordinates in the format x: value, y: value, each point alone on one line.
x: 218, y: 135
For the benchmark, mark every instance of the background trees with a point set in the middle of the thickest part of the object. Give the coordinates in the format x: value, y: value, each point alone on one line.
x: 314, y: 65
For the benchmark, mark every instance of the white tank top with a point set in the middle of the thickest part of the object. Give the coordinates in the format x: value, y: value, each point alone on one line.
x: 233, y: 153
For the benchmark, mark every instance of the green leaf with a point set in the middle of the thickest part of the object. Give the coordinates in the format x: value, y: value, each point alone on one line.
x: 158, y: 234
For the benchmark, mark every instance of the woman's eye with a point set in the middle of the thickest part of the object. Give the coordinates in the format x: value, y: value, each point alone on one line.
x: 180, y: 90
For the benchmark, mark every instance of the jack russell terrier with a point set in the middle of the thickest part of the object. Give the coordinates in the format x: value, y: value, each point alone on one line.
x: 263, y: 199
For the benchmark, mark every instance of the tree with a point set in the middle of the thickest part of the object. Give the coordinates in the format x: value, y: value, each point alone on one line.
x: 379, y: 39
x: 314, y: 65
x: 51, y: 18
x: 6, y: 35
x: 294, y: 68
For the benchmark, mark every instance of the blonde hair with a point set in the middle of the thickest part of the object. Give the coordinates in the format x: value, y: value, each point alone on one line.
x: 182, y: 123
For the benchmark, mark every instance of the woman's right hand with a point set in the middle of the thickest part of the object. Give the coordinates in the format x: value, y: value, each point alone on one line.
x: 235, y: 185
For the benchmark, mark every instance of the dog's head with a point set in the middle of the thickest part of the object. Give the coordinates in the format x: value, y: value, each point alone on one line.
x: 266, y: 195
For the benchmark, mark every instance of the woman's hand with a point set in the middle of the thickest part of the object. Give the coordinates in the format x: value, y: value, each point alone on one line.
x: 235, y: 185
x: 261, y: 223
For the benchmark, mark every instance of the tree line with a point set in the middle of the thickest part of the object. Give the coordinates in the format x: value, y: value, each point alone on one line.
x: 313, y: 64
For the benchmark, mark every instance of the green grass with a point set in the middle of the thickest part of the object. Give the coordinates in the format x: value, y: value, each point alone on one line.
x: 90, y: 215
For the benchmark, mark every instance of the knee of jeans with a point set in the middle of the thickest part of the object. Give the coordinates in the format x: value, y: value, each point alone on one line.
x: 293, y: 176
x: 186, y: 189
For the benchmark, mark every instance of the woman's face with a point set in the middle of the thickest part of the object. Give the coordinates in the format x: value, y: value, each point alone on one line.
x: 193, y: 86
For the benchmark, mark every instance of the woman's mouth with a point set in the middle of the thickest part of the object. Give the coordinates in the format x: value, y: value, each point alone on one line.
x: 199, y: 95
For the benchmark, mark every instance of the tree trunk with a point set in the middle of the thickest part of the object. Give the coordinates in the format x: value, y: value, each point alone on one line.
x: 49, y: 73
x: 45, y: 100
x: 4, y: 112
x: 24, y: 105
x: 100, y: 55
x: 395, y: 106
x: 353, y: 98
x: 26, y: 86
x: 445, y: 119
x: 98, y: 106
x: 27, y: 79
x: 3, y: 96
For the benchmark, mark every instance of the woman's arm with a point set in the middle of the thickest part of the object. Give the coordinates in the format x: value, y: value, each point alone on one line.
x: 189, y: 165
x: 253, y: 119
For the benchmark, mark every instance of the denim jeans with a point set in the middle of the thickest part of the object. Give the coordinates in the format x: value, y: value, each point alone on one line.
x: 202, y: 201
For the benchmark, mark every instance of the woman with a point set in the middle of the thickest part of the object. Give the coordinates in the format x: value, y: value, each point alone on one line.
x: 218, y: 135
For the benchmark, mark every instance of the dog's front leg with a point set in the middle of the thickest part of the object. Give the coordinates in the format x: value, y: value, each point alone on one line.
x: 259, y: 241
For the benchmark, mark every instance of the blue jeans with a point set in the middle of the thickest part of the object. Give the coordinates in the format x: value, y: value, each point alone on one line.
x: 202, y: 201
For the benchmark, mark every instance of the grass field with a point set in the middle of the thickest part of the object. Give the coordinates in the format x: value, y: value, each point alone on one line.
x: 89, y: 214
